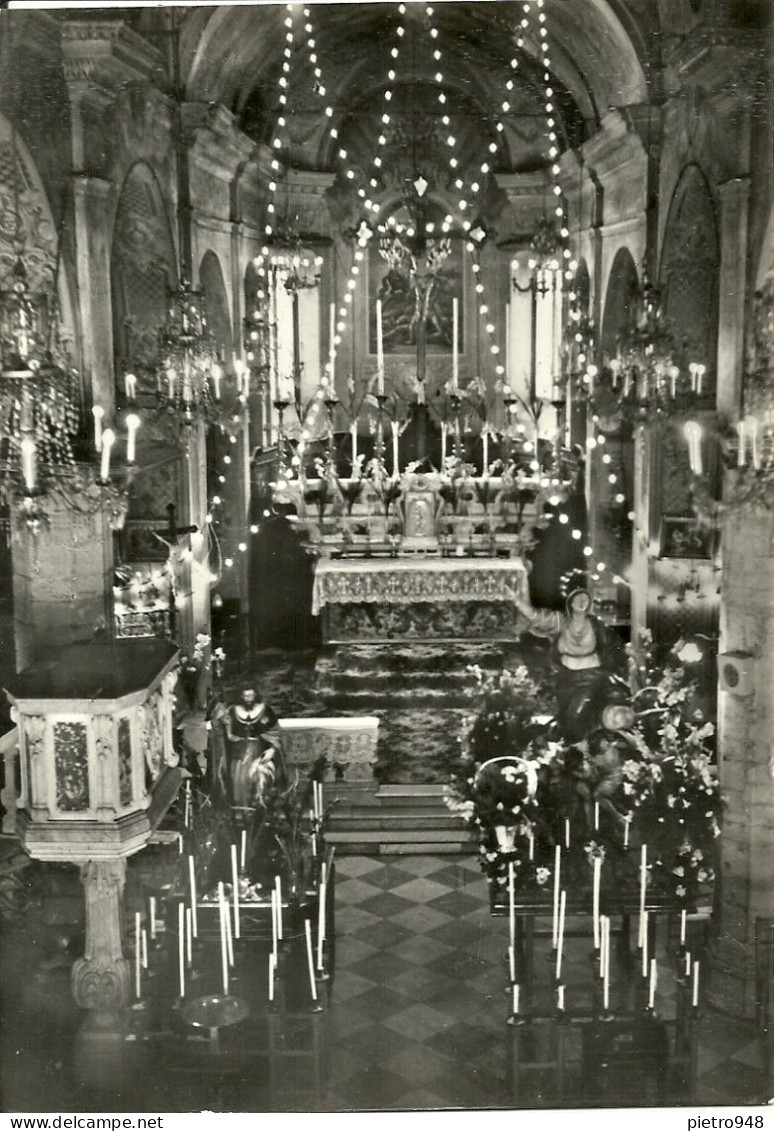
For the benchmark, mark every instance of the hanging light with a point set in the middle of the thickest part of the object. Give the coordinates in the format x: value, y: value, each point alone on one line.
x: 190, y: 373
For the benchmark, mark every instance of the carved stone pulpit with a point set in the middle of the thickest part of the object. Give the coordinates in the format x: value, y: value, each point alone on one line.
x: 98, y: 772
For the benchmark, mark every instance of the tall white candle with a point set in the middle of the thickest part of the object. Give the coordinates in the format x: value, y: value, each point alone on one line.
x: 216, y: 373
x: 28, y: 452
x: 695, y: 995
x: 310, y: 959
x: 683, y: 918
x: 443, y: 443
x: 557, y: 871
x: 485, y: 452
x: 379, y: 348
x: 192, y: 884
x: 274, y: 921
x: 108, y: 439
x: 627, y: 822
x: 321, y: 920
x: 595, y: 898
x: 602, y: 920
x: 353, y: 433
x: 652, y: 983
x: 455, y: 339
x: 243, y: 850
x: 98, y: 413
x: 567, y: 833
x: 645, y: 944
x: 332, y: 349
x: 395, y: 454
x: 596, y: 816
x: 515, y: 1000
x: 606, y: 979
x: 152, y: 915
x: 512, y: 903
x: 181, y: 947
x: 278, y: 888
x: 741, y: 454
x: 137, y: 958
x: 560, y: 998
x: 130, y: 386
x: 511, y: 963
x: 643, y: 884
x: 531, y: 843
x: 223, y: 945
x: 687, y: 963
x: 271, y: 975
x: 226, y: 922
x: 132, y: 424
x: 188, y: 937
x: 235, y: 884
x: 144, y: 940
x: 560, y: 936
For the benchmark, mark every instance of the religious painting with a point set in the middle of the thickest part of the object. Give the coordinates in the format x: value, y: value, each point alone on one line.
x: 71, y: 764
x: 410, y: 298
x: 683, y: 537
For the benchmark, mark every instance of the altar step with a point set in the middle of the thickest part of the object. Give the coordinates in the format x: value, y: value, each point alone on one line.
x: 396, y: 820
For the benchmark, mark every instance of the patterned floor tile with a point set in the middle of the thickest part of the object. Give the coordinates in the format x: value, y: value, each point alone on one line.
x: 419, y: 1063
x: 353, y: 892
x: 384, y: 934
x: 422, y: 890
x: 387, y: 904
x: 421, y: 919
x: 422, y: 865
x: 357, y: 865
x: 420, y: 984
x: 456, y: 903
x: 418, y: 1020
x: 350, y: 950
x: 352, y: 920
x: 421, y: 949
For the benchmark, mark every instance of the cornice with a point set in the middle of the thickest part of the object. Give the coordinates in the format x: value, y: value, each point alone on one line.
x: 107, y: 54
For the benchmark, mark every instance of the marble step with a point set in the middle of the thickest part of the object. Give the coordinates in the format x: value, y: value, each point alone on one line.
x: 377, y: 842
x: 355, y: 701
x: 399, y: 819
x: 396, y: 659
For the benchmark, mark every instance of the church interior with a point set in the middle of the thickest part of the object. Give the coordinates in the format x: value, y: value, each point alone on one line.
x: 387, y: 556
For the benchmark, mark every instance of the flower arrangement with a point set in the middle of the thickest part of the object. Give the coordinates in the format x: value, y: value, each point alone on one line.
x: 528, y: 791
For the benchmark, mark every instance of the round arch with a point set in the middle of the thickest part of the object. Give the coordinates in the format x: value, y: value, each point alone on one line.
x: 622, y: 287
x: 216, y: 302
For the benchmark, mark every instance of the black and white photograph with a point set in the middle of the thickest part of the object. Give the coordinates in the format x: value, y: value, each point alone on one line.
x: 387, y: 561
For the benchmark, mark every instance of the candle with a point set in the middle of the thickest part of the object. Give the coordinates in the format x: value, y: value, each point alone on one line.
x: 192, y: 883
x: 567, y: 833
x: 379, y: 348
x: 226, y: 922
x: 695, y: 997
x: 235, y: 885
x: 108, y: 438
x: 332, y: 333
x: 310, y: 958
x: 754, y: 443
x: 606, y: 979
x: 512, y: 963
x: 216, y: 373
x: 130, y: 386
x: 485, y: 456
x: 274, y: 939
x: 171, y: 375
x: 741, y: 454
x: 395, y: 454
x: 596, y: 816
x: 187, y: 809
x: 602, y: 959
x: 531, y: 842
x: 314, y: 844
x: 645, y: 945
x: 643, y: 879
x: 181, y: 946
x: 455, y: 338
x: 683, y: 918
x: 627, y: 822
x: 152, y: 912
x: 700, y: 370
x: 98, y: 412
x: 271, y: 976
x: 560, y: 998
x: 443, y: 443
x: 512, y: 903
x: 223, y: 944
x: 137, y: 957
x: 673, y: 374
x: 180, y: 844
x: 515, y: 1000
x: 243, y: 853
x: 560, y: 936
x: 321, y: 920
x: 687, y: 963
x: 652, y: 984
x: 595, y: 898
x: 28, y: 462
x: 278, y: 887
x: 144, y: 939
x: 188, y: 936
x: 557, y: 870
x: 353, y: 432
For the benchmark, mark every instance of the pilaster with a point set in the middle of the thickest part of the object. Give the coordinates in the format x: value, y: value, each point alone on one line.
x: 734, y: 213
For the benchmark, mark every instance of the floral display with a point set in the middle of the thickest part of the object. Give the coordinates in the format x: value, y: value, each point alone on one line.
x: 631, y: 782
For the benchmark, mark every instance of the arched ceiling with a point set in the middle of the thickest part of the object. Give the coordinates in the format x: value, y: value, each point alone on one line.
x: 233, y: 54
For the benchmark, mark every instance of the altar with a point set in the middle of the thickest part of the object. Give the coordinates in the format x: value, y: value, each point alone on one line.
x: 417, y: 597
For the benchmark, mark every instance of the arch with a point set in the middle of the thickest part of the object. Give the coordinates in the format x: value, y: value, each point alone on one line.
x: 216, y: 302
x: 688, y: 275
x: 582, y: 285
x: 142, y: 267
x: 623, y: 285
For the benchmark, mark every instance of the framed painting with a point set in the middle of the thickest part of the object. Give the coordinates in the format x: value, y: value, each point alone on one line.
x: 682, y: 536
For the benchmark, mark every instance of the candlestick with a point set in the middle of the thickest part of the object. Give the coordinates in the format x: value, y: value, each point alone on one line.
x: 235, y: 884
x: 108, y: 439
x: 595, y: 898
x: 152, y: 915
x: 278, y: 888
x: 98, y: 413
x: 560, y: 936
x: 310, y: 959
x: 223, y: 944
x: 557, y: 870
x: 181, y: 947
x: 455, y: 336
x: 379, y: 349
x: 652, y: 984
x: 512, y: 903
x: 321, y: 919
x: 695, y: 995
x: 137, y: 958
x: 192, y: 884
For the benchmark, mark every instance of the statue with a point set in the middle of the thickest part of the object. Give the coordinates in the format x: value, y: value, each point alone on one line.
x: 248, y: 757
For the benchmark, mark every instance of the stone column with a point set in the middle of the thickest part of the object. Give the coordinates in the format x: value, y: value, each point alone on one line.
x: 746, y: 761
x: 734, y: 210
x: 101, y: 980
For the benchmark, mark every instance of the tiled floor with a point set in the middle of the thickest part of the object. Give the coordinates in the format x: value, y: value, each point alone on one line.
x: 415, y: 1017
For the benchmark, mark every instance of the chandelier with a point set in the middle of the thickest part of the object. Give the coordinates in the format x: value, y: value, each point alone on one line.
x: 410, y: 246
x: 190, y: 375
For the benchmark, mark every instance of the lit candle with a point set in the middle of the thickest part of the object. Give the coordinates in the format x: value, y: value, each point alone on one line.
x: 695, y: 996
x: 557, y: 870
x: 455, y: 338
x: 379, y: 348
x: 683, y: 919
x: 652, y: 984
x: 223, y: 944
x: 137, y: 958
x: 333, y: 341
x: 700, y: 371
x: 192, y: 884
x: 108, y: 438
x: 515, y: 1000
x: 353, y: 433
x: 512, y: 902
x: 181, y: 947
x: 152, y: 913
x: 560, y: 935
x: 235, y: 884
x: 28, y: 462
x: 216, y: 373
x: 130, y: 386
x: 395, y: 457
x: 310, y: 958
x: 98, y: 413
x: 643, y: 881
x: 243, y: 854
x: 595, y: 898
x: 321, y: 919
x: 278, y: 888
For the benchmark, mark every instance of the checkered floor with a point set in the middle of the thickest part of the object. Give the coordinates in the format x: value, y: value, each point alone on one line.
x: 418, y: 1009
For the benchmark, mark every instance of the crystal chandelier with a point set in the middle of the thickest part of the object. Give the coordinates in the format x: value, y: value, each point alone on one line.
x: 190, y: 375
